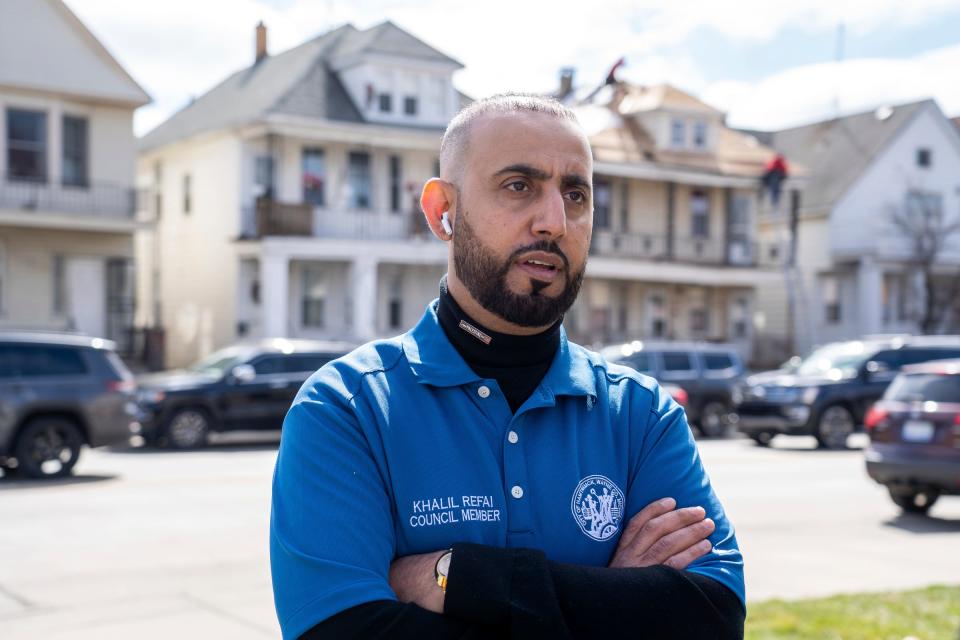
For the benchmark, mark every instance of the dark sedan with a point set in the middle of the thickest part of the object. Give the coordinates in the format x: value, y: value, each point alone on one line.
x: 915, y: 436
x: 247, y: 386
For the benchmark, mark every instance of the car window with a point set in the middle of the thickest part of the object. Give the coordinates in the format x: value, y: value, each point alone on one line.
x: 36, y: 361
x: 642, y: 361
x: 925, y: 387
x: 717, y: 361
x: 7, y: 368
x: 677, y: 361
x: 267, y: 365
x: 914, y: 356
x: 307, y: 362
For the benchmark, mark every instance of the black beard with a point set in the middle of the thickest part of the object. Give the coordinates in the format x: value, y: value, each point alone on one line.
x: 486, y: 280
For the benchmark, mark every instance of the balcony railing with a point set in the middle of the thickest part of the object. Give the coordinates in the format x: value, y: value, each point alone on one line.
x: 283, y: 219
x: 93, y: 199
x: 743, y: 253
x: 272, y: 218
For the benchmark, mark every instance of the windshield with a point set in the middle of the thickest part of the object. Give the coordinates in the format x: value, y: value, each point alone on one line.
x: 835, y: 361
x: 219, y: 362
x: 929, y: 387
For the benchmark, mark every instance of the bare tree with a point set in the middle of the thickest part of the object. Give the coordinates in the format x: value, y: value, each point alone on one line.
x: 921, y: 223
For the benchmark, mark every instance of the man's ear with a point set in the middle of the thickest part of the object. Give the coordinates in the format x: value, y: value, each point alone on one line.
x: 438, y: 197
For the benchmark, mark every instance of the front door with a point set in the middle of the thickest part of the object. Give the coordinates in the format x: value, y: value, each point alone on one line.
x: 86, y: 296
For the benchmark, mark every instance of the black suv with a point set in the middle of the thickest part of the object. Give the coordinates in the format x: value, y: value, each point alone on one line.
x: 246, y: 386
x: 707, y: 372
x: 828, y: 393
x: 58, y: 392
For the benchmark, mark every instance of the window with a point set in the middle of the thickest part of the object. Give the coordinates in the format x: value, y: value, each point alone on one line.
x: 641, y: 361
x: 395, y: 312
x: 386, y: 102
x: 358, y: 179
x: 700, y: 134
x: 307, y: 362
x: 657, y: 314
x: 267, y: 365
x: 624, y: 206
x: 896, y: 292
x: 314, y: 176
x: 27, y: 145
x: 717, y: 361
x: 926, y: 205
x: 410, y: 105
x: 924, y: 157
x: 75, y: 152
x: 187, y: 196
x: 678, y: 133
x: 158, y: 189
x: 314, y: 298
x: 831, y: 299
x: 926, y: 386
x: 396, y: 183
x: 699, y: 214
x: 59, y: 285
x: 677, y: 361
x: 699, y: 322
x: 601, y: 204
x: 739, y: 321
x: 263, y: 177
x: 41, y: 361
x: 436, y: 167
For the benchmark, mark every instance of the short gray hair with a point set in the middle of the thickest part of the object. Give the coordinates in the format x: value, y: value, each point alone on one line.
x: 457, y: 136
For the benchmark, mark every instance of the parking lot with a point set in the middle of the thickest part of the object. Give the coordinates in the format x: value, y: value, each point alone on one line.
x: 154, y: 544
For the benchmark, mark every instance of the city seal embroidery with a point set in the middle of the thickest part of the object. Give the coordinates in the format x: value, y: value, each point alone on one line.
x: 597, y: 507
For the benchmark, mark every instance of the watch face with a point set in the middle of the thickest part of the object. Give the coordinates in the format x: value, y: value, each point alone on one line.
x: 443, y: 564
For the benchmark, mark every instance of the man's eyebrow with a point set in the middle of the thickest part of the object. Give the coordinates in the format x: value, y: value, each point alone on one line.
x: 575, y: 180
x: 524, y: 170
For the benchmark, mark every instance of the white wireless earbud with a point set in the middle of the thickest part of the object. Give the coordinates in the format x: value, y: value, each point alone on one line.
x: 445, y: 223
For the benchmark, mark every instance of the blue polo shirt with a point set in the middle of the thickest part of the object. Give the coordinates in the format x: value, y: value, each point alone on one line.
x: 400, y: 448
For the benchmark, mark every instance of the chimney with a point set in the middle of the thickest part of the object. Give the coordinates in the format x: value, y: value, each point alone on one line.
x: 566, y: 82
x: 261, y: 42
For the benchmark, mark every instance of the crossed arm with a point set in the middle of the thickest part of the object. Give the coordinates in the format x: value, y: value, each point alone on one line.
x: 518, y: 593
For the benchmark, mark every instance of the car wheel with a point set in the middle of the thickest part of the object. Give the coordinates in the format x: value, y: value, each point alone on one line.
x: 763, y: 438
x: 714, y: 419
x: 914, y: 501
x: 48, y: 448
x: 188, y: 428
x: 834, y: 426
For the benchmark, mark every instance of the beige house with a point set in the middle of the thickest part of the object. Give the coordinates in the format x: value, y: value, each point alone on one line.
x: 286, y: 201
x: 67, y: 160
x: 677, y: 197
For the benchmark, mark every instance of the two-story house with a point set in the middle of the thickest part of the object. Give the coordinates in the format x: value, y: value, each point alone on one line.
x: 67, y: 161
x: 868, y: 174
x: 676, y: 200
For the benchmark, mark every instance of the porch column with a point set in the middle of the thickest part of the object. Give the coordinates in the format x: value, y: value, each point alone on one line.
x: 869, y: 296
x: 275, y: 295
x: 363, y: 292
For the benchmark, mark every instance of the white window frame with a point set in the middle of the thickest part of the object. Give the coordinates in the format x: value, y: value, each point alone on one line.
x: 678, y: 126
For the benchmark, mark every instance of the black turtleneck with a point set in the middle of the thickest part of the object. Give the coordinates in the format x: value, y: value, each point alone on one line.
x: 517, y: 363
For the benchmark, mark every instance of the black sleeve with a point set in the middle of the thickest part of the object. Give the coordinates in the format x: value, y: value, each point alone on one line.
x: 518, y: 593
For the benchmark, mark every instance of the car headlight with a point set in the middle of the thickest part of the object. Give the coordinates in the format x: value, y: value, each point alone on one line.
x: 151, y: 396
x: 810, y: 395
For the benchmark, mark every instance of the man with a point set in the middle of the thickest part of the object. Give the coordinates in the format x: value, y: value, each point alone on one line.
x: 480, y: 476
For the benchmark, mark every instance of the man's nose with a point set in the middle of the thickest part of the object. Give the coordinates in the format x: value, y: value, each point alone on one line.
x: 551, y: 218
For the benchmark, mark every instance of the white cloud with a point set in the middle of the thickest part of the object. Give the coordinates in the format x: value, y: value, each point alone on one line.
x: 815, y: 92
x: 181, y: 48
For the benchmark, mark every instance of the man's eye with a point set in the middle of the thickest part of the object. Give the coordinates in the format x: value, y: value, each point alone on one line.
x: 517, y: 186
x: 577, y: 197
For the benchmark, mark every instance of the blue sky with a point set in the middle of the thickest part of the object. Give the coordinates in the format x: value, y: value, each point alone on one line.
x: 767, y: 65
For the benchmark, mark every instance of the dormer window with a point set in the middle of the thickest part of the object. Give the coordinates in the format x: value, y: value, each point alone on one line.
x: 386, y: 102
x: 700, y: 135
x: 678, y: 133
x: 410, y: 105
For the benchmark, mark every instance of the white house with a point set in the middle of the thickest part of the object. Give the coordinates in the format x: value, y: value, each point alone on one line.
x: 67, y: 162
x: 856, y: 264
x: 286, y: 201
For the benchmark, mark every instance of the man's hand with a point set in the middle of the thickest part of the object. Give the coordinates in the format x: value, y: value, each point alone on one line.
x: 413, y: 579
x: 661, y: 534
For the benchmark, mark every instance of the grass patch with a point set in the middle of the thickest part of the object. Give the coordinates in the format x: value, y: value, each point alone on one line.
x: 926, y: 614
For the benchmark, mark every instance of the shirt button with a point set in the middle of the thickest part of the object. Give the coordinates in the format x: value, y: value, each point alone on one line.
x: 513, y: 437
x: 483, y: 391
x: 516, y: 492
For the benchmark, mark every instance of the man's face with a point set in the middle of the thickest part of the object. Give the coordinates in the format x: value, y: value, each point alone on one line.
x: 524, y: 216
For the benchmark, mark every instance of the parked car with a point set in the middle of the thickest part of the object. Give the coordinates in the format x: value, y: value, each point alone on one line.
x: 827, y: 394
x: 246, y: 386
x: 57, y: 393
x: 707, y: 372
x: 915, y: 435
x: 678, y: 393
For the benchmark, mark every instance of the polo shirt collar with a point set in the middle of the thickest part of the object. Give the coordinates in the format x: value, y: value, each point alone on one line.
x: 434, y: 361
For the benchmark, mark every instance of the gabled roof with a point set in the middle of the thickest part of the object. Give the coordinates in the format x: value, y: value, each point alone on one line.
x: 663, y: 96
x: 45, y: 47
x: 300, y: 81
x: 836, y: 152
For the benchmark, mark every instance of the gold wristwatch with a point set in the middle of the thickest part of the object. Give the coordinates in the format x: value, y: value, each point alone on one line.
x: 442, y: 569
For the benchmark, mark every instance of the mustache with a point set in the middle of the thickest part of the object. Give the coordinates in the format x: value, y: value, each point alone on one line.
x: 542, y: 245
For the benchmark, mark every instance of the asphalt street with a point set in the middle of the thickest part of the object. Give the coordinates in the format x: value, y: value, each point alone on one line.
x: 150, y: 544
